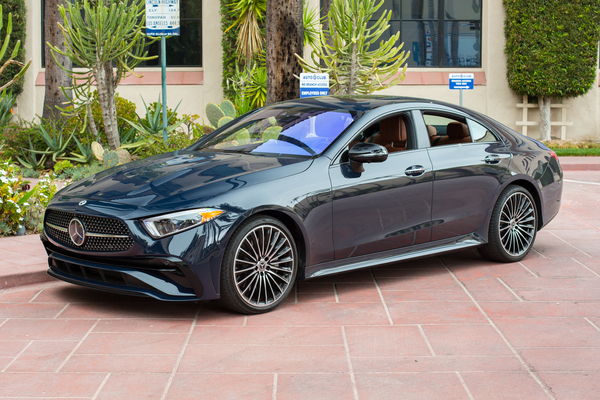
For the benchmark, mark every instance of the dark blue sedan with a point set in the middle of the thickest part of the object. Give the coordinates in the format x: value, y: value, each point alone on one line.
x: 302, y: 189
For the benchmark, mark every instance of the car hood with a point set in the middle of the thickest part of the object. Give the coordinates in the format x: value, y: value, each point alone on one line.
x: 181, y: 177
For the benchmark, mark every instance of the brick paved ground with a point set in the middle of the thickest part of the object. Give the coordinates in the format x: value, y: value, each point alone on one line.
x: 451, y: 327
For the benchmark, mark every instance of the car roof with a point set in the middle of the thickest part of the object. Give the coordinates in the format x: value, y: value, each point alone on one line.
x: 361, y: 102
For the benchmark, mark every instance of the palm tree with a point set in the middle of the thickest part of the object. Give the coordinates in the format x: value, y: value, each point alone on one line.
x: 285, y: 33
x: 56, y: 77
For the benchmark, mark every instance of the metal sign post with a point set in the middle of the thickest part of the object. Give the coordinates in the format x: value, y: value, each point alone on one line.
x: 461, y: 82
x: 162, y: 19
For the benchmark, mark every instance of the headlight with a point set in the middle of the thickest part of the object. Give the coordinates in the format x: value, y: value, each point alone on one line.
x: 169, y: 224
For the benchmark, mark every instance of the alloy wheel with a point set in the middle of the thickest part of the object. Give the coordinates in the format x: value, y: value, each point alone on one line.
x: 517, y: 224
x: 263, y: 266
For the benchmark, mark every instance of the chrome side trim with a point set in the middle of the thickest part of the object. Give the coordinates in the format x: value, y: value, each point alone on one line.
x: 463, y: 243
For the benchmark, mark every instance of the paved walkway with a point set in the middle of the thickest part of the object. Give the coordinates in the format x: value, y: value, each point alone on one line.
x: 450, y: 327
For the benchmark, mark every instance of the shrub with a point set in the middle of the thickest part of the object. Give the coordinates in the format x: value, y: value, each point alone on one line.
x: 126, y: 111
x: 552, y: 46
x: 60, y: 166
x: 177, y: 141
x: 13, y: 199
x: 42, y: 194
x: 7, y: 101
x: 16, y: 137
x: 552, y: 49
x: 86, y: 171
x: 228, y: 41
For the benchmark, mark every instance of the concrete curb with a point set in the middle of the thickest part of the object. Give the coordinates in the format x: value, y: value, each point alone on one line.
x: 24, y: 278
x: 580, y: 167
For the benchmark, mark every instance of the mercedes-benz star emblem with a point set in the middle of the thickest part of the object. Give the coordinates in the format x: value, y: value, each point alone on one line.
x: 77, y: 232
x: 82, y: 202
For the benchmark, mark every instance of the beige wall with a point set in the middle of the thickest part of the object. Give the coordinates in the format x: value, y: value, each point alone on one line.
x: 494, y: 98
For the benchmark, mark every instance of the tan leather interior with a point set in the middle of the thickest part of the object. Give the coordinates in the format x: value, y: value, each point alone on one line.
x: 392, y: 134
x: 456, y: 132
x: 433, y: 135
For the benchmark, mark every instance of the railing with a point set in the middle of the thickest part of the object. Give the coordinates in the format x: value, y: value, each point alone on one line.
x: 563, y: 123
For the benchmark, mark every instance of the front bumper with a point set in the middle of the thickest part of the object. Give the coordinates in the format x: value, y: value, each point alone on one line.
x: 159, y: 276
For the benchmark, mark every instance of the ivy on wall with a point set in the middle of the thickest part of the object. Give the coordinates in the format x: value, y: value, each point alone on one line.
x: 18, y: 11
x: 228, y: 43
x: 552, y: 46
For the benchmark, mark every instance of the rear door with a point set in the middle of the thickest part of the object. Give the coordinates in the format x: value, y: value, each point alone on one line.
x: 466, y: 176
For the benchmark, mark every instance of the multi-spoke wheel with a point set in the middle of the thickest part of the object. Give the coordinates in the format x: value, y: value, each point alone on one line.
x: 259, y: 267
x: 513, y: 226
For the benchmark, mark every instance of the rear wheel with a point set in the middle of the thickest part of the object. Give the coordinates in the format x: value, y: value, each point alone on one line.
x: 513, y: 226
x: 259, y: 267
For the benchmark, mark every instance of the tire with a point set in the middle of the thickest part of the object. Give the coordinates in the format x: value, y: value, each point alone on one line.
x: 259, y: 266
x: 513, y: 226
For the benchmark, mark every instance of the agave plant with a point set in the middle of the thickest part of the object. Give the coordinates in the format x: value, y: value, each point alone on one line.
x: 85, y: 155
x: 54, y: 139
x: 152, y: 125
x: 29, y: 159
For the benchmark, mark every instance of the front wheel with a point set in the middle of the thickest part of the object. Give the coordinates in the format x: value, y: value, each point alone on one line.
x: 259, y: 266
x: 513, y: 226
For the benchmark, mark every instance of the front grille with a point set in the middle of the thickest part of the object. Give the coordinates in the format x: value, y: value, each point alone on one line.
x: 102, y: 234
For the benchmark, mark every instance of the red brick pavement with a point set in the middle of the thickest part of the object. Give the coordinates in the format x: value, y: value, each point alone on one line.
x: 449, y: 327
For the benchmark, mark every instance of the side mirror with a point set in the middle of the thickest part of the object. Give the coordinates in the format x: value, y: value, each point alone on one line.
x: 366, y: 153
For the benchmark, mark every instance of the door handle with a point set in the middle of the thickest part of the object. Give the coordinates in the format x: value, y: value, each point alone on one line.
x: 493, y: 159
x: 415, y: 170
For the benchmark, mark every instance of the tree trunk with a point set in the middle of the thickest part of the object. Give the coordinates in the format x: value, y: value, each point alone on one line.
x: 106, y: 98
x: 55, y: 76
x: 545, y: 128
x: 284, y: 31
x: 325, y: 7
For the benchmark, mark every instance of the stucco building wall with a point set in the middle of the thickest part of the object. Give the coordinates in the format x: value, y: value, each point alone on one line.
x: 195, y: 87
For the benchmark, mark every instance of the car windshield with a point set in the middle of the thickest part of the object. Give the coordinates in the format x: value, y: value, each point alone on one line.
x: 284, y: 129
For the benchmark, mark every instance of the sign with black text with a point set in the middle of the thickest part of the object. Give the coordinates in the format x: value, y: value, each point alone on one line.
x: 162, y: 17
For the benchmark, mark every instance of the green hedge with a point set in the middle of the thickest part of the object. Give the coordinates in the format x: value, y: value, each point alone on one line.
x: 18, y: 11
x: 552, y: 46
x: 229, y: 47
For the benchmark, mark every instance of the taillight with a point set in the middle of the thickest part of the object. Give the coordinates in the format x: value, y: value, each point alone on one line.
x: 553, y: 154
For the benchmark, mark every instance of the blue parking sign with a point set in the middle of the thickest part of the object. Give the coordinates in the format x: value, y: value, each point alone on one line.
x: 461, y: 81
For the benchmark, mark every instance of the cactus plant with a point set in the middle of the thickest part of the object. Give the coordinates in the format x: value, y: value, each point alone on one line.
x: 110, y: 158
x: 271, y: 132
x: 219, y: 115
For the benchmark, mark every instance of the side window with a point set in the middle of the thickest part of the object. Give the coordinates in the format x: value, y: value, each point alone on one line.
x: 446, y: 130
x: 480, y: 133
x: 395, y: 133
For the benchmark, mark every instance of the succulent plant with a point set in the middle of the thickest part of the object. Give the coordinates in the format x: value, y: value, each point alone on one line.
x: 271, y: 132
x: 110, y: 158
x: 219, y: 115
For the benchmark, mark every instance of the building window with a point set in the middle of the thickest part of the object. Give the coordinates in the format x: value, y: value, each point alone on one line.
x: 182, y: 51
x: 420, y: 23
